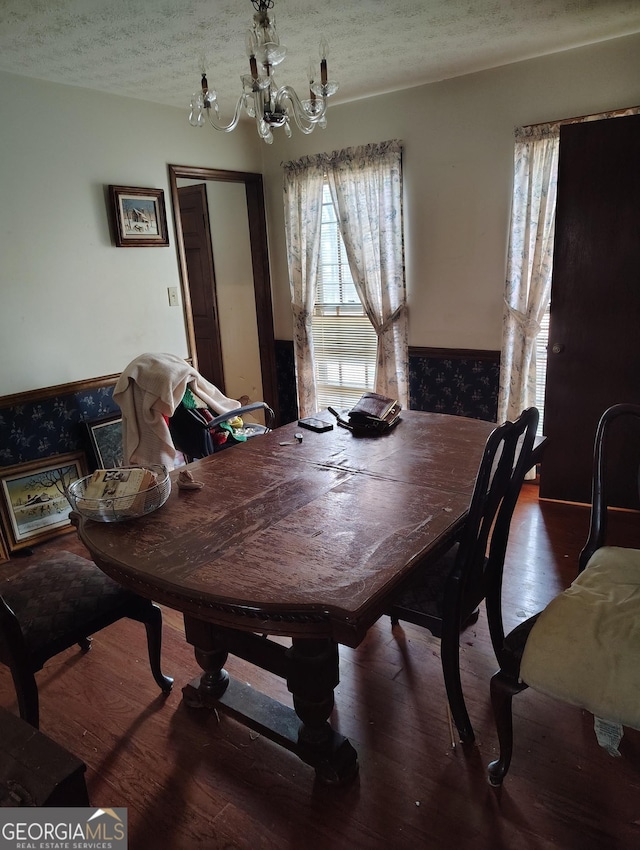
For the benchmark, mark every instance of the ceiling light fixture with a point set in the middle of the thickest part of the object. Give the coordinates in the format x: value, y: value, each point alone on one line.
x: 271, y: 105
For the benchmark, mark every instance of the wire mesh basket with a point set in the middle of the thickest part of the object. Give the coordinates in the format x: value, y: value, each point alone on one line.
x: 110, y: 506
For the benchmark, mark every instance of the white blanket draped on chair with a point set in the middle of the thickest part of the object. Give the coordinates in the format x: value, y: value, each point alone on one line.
x: 148, y: 390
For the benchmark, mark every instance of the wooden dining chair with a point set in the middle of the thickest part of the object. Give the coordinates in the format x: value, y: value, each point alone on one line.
x: 583, y: 648
x: 57, y: 602
x: 444, y: 598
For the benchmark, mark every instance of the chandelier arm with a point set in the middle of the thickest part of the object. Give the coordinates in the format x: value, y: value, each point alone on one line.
x: 234, y: 121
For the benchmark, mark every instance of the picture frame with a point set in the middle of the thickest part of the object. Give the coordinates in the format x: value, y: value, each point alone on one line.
x: 104, y: 442
x: 33, y: 506
x: 4, y: 552
x: 139, y: 217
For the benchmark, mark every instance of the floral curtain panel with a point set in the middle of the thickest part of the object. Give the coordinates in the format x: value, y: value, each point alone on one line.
x: 529, y: 264
x: 303, y: 184
x: 366, y: 187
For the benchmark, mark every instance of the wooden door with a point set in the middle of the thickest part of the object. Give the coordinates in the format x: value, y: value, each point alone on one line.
x: 594, y: 337
x: 196, y: 233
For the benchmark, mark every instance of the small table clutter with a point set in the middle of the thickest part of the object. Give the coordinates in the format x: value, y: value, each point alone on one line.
x: 307, y: 539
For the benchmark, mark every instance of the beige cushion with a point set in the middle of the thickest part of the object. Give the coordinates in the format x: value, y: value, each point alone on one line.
x: 585, y: 646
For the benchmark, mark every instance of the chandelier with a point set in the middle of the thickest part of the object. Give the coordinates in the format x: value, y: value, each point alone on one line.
x: 271, y: 105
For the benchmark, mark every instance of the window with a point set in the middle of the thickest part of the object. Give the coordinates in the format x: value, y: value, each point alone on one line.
x: 542, y: 341
x: 368, y: 182
x: 344, y: 340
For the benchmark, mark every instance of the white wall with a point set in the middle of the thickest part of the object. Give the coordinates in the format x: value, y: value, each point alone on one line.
x: 458, y: 155
x: 72, y: 306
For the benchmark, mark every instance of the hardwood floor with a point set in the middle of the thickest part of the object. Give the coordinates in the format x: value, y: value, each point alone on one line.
x: 192, y: 779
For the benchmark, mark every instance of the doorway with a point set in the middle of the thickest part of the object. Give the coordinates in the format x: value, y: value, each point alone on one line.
x: 226, y: 287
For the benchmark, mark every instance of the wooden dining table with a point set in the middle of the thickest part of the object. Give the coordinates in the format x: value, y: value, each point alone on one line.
x: 309, y: 539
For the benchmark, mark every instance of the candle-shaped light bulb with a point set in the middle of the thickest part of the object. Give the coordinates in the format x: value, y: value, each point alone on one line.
x: 324, y: 52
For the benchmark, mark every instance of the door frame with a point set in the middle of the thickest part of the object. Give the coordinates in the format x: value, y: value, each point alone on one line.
x: 259, y: 259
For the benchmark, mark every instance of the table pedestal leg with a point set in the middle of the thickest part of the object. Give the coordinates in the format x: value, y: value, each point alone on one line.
x: 310, y: 668
x: 212, y: 683
x: 312, y: 677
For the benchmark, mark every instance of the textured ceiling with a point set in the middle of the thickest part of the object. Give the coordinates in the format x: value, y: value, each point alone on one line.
x: 154, y: 49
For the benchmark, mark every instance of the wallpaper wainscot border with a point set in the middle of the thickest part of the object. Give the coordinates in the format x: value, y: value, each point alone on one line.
x: 41, y: 423
x: 461, y: 382
x: 46, y: 422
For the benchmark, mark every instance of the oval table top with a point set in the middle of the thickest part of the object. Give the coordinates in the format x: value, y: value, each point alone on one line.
x: 308, y: 538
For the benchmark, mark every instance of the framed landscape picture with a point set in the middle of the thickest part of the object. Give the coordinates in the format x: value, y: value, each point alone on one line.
x: 32, y: 500
x: 139, y: 217
x: 104, y: 442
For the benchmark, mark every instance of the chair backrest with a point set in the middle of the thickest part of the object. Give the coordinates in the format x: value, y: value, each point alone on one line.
x: 615, y: 447
x: 506, y: 460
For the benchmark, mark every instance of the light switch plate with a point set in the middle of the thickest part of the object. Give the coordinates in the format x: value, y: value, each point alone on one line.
x: 173, y: 296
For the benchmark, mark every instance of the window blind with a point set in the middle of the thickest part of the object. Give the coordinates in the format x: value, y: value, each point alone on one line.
x: 345, y: 343
x: 345, y: 358
x: 542, y: 342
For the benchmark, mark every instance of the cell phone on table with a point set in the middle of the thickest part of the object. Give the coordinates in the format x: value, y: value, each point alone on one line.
x: 314, y: 424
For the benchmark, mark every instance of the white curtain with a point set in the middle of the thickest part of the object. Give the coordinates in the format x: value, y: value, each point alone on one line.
x: 366, y: 188
x: 529, y: 264
x: 303, y: 185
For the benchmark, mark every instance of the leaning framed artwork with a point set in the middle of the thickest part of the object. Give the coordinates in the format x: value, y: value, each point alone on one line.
x: 139, y: 217
x: 104, y: 442
x: 33, y: 504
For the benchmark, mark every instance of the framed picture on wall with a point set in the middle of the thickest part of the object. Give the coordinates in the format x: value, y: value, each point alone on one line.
x: 33, y: 505
x: 139, y: 217
x: 104, y: 442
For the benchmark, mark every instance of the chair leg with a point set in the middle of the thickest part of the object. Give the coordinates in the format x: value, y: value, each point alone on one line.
x: 153, y: 625
x: 450, y: 658
x: 503, y: 689
x: 27, y: 695
x: 471, y: 619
